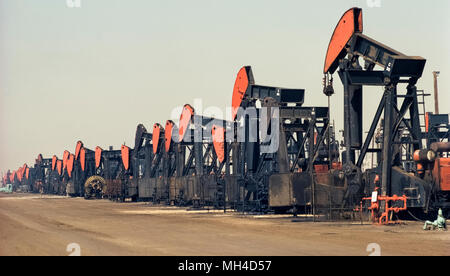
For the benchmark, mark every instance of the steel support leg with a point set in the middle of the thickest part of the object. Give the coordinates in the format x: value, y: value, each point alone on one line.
x: 389, y: 95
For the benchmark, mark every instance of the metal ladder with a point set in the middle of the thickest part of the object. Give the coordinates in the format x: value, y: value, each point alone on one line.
x: 421, y: 103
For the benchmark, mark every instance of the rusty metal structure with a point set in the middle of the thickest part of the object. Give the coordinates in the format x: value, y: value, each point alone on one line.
x: 275, y: 154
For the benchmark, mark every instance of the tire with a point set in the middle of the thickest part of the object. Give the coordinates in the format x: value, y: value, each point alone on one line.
x: 94, y: 187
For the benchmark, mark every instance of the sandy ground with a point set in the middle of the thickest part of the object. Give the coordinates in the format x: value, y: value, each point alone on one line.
x: 34, y: 225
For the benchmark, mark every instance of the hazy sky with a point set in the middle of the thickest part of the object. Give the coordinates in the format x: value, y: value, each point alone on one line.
x: 93, y: 73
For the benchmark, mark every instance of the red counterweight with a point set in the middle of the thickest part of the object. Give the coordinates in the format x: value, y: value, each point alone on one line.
x: 350, y: 23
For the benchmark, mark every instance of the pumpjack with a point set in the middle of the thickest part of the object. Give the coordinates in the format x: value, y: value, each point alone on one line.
x: 42, y: 172
x: 196, y: 162
x: 279, y: 165
x: 22, y: 183
x: 80, y: 166
x: 143, y: 156
x: 402, y: 141
x: 105, y: 183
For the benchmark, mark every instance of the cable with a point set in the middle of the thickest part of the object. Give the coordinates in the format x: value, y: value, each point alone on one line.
x: 409, y: 212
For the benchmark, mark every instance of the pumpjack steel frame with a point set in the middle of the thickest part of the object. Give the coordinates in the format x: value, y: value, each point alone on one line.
x: 301, y: 134
x: 401, y: 128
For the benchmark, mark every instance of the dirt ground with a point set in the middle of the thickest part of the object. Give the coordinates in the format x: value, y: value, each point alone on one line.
x: 35, y: 225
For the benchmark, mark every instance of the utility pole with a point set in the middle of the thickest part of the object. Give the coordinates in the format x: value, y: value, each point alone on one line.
x: 436, y: 98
